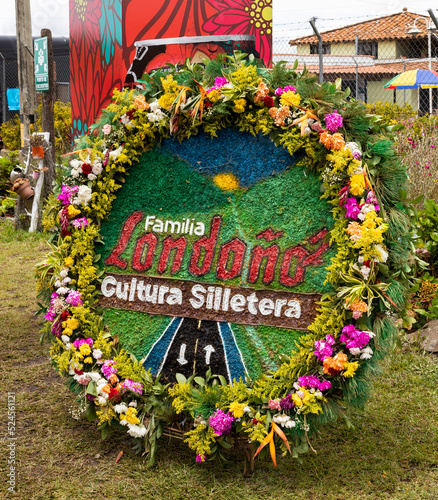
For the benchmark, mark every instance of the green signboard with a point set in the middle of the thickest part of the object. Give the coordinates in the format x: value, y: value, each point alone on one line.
x: 41, y: 64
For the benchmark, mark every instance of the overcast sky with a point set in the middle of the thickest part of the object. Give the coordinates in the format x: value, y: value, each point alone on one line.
x: 290, y: 19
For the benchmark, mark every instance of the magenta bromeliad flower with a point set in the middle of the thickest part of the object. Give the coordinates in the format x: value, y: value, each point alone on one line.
x: 312, y: 382
x: 352, y: 207
x: 130, y: 385
x: 74, y: 298
x: 354, y: 338
x: 78, y: 342
x: 286, y: 403
x: 371, y: 198
x: 279, y: 91
x: 66, y: 193
x: 221, y: 422
x: 323, y: 347
x: 109, y: 367
x: 200, y: 458
x: 333, y: 121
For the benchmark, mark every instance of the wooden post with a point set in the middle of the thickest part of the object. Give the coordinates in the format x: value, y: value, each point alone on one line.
x: 47, y: 119
x: 26, y: 83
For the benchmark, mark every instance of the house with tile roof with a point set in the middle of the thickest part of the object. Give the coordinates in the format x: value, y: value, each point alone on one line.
x: 368, y: 54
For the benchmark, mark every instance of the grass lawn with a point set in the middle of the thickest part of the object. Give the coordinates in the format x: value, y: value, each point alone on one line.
x: 392, y: 453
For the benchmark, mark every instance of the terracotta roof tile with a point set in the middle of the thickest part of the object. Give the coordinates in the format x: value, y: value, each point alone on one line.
x: 392, y: 27
x: 383, y: 70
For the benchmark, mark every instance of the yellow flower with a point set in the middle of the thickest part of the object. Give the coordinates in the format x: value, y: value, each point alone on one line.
x: 237, y: 409
x: 351, y: 368
x: 130, y: 416
x: 357, y: 185
x: 226, y: 182
x: 67, y: 331
x: 214, y: 95
x: 68, y: 261
x: 72, y: 211
x: 88, y: 359
x: 85, y: 349
x: 290, y: 98
x: 71, y: 323
x: 239, y: 105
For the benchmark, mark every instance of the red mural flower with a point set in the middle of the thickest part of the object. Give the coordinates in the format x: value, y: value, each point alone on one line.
x: 249, y: 17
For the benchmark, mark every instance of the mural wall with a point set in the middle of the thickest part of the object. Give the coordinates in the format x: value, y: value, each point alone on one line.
x: 106, y: 34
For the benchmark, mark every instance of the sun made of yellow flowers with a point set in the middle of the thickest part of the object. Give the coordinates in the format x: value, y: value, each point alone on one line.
x: 226, y: 181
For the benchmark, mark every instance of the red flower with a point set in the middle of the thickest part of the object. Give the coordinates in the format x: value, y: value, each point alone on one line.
x: 114, y: 395
x: 86, y: 168
x: 64, y: 315
x: 269, y: 101
x: 78, y: 372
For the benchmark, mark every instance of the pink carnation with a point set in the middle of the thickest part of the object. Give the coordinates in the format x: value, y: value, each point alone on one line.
x: 66, y: 193
x: 74, y: 298
x: 221, y: 422
x: 333, y: 121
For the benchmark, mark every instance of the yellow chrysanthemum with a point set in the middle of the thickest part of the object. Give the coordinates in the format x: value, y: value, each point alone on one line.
x: 72, y: 211
x: 357, y: 186
x: 350, y: 369
x: 237, y: 409
x: 239, y: 105
x: 226, y: 182
x: 68, y: 261
x: 85, y: 349
x: 130, y: 416
x: 214, y: 95
x: 290, y: 98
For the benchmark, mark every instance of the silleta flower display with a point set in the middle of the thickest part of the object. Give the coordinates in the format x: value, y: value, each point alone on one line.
x: 352, y: 325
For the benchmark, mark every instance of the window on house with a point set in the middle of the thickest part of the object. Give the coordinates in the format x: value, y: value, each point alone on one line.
x: 326, y: 48
x: 367, y: 49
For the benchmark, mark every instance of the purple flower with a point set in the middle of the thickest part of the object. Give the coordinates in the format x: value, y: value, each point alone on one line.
x: 221, y: 422
x: 312, y: 382
x: 200, y: 458
x: 371, y: 198
x: 280, y: 90
x: 352, y: 207
x: 66, y: 193
x: 220, y: 81
x: 317, y: 127
x: 333, y: 121
x: 80, y: 223
x: 357, y: 155
x: 109, y: 367
x: 50, y: 315
x: 74, y: 298
x: 323, y: 350
x: 325, y: 385
x: 286, y: 403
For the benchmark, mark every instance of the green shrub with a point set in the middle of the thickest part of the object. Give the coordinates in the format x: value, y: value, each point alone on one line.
x: 10, y: 133
x: 426, y: 234
x: 7, y: 164
x: 391, y: 112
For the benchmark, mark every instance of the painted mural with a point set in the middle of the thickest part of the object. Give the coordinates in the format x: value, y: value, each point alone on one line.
x: 105, y: 36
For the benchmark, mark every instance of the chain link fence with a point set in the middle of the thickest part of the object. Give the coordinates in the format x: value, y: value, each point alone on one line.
x: 365, y: 54
x: 9, y: 72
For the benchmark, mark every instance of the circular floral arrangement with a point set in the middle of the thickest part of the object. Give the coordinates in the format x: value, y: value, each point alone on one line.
x: 333, y: 363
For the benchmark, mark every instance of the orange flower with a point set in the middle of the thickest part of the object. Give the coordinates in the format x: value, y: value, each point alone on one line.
x: 338, y: 142
x: 113, y: 378
x: 106, y: 388
x: 326, y: 138
x: 279, y: 114
x: 262, y: 92
x: 354, y: 229
x: 334, y: 365
x: 140, y: 102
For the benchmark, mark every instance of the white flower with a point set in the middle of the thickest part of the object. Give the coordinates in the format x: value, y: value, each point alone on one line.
x: 94, y: 376
x: 247, y: 409
x: 383, y: 253
x: 289, y: 424
x: 63, y: 273
x: 82, y: 379
x: 65, y: 339
x: 68, y: 347
x: 355, y: 351
x: 371, y: 334
x: 58, y: 283
x: 136, y: 430
x: 124, y: 422
x: 66, y: 280
x: 367, y: 207
x: 296, y: 386
x: 83, y: 195
x: 62, y: 290
x: 101, y: 401
x: 125, y: 119
x: 366, y: 353
x: 365, y: 271
x: 133, y: 403
x: 301, y: 394
x: 121, y: 408
x: 116, y: 153
x: 97, y: 354
x: 92, y: 177
x: 97, y: 168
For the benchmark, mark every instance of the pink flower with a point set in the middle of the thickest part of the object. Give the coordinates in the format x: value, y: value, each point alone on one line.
x: 109, y: 367
x: 221, y: 422
x: 74, y: 298
x: 80, y: 223
x: 274, y: 404
x: 66, y: 193
x: 132, y: 386
x: 352, y: 207
x: 333, y: 121
x: 200, y: 458
x: 106, y: 129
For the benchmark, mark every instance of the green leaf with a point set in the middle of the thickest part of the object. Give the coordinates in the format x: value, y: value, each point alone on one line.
x: 180, y: 378
x: 104, y: 431
x: 91, y: 388
x: 224, y: 444
x: 200, y: 381
x: 90, y: 412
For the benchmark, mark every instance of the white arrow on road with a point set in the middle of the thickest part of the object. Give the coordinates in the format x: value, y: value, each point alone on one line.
x: 208, y: 350
x: 182, y: 351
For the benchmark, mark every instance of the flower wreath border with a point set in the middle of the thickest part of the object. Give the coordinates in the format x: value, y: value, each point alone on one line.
x: 353, y: 329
